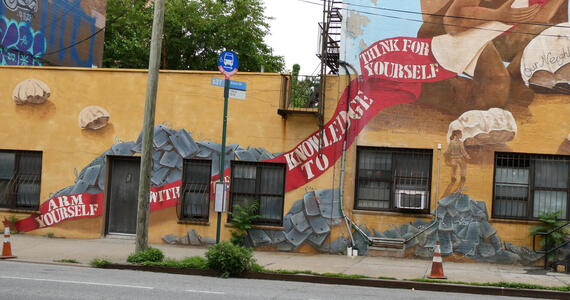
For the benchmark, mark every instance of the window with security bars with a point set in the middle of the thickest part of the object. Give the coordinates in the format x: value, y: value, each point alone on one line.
x: 262, y: 182
x: 526, y: 185
x: 393, y: 179
x: 195, y: 200
x: 20, y: 179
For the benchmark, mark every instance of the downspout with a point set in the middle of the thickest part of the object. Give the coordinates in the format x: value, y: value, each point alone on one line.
x: 341, y: 188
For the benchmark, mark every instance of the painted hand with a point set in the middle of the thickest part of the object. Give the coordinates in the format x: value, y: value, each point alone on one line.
x: 507, y: 14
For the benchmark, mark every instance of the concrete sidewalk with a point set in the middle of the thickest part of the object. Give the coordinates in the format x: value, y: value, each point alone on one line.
x: 49, y: 250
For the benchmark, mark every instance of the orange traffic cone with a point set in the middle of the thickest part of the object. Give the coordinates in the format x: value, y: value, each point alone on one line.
x: 437, y: 265
x: 7, y: 248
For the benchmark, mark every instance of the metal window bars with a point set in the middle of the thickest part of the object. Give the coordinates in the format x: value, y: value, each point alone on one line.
x: 525, y: 185
x: 20, y: 186
x: 393, y: 179
x: 262, y: 182
x: 195, y: 201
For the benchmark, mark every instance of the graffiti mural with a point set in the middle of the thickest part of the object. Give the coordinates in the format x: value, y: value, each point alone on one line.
x: 20, y: 44
x: 461, y: 225
x: 444, y: 78
x: 57, y: 33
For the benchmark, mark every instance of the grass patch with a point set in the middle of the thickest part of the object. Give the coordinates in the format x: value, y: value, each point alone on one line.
x: 99, y: 262
x: 148, y: 255
x: 513, y: 285
x: 66, y: 260
x: 387, y: 278
x: 258, y: 268
x: 194, y: 262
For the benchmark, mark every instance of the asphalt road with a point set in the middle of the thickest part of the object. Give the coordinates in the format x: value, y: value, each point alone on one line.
x: 19, y: 280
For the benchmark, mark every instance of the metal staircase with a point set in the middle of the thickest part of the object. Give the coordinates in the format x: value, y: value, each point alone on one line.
x: 330, y: 31
x: 329, y: 53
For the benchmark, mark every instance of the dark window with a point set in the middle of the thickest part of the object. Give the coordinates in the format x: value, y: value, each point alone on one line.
x: 195, y: 204
x: 262, y: 182
x: 20, y: 179
x: 393, y: 179
x: 527, y: 184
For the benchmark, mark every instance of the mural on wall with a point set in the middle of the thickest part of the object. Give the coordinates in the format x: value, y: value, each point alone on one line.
x: 52, y: 32
x: 482, y: 41
x: 309, y: 221
x: 470, y: 73
x: 461, y: 225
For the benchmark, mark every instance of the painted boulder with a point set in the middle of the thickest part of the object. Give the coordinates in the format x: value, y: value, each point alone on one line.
x: 93, y: 117
x: 484, y: 127
x: 31, y: 91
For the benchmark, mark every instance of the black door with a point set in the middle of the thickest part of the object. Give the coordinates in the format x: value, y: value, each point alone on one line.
x: 122, y: 196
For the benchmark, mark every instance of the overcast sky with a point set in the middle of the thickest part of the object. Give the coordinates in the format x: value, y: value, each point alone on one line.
x: 294, y: 32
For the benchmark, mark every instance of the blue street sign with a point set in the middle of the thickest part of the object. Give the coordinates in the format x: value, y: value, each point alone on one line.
x: 228, y: 60
x: 236, y: 85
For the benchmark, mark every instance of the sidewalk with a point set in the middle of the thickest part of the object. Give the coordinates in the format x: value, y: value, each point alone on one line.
x: 48, y: 250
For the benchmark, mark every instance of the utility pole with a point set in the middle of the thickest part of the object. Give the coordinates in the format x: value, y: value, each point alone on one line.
x: 148, y: 126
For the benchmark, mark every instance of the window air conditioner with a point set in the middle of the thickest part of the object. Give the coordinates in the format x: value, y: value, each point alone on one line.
x: 410, y: 199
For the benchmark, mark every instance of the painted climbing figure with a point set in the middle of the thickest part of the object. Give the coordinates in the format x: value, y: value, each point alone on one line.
x: 455, y: 156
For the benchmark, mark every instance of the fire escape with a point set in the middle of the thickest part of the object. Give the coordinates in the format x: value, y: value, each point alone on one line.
x: 328, y: 52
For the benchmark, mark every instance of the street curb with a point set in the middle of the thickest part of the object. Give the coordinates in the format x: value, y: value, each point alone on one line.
x: 369, y: 282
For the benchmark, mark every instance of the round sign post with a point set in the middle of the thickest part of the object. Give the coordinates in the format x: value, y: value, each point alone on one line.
x: 228, y: 65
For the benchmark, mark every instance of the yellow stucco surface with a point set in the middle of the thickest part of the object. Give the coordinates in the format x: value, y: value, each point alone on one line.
x: 185, y: 100
x: 542, y: 129
x: 188, y: 100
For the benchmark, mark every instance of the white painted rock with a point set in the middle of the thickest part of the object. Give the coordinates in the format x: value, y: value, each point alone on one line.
x: 484, y: 127
x: 93, y: 117
x: 31, y: 91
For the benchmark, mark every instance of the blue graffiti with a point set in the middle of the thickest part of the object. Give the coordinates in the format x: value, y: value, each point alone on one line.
x: 66, y: 33
x: 62, y: 12
x: 20, y: 44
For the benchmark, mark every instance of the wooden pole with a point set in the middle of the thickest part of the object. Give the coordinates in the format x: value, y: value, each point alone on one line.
x: 148, y: 127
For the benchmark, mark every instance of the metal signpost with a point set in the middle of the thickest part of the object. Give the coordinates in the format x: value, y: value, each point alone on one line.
x: 228, y: 65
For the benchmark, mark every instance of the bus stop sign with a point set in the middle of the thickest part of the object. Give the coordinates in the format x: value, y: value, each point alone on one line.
x: 228, y: 63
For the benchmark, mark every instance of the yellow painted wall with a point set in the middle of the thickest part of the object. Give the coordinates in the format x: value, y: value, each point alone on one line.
x: 185, y: 100
x: 188, y: 100
x: 543, y: 127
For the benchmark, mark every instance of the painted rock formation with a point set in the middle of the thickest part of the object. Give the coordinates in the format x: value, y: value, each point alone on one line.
x: 461, y: 225
x: 170, y: 147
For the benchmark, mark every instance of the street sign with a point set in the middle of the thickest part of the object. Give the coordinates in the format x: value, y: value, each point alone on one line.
x: 220, y: 197
x: 237, y: 94
x: 236, y: 85
x: 228, y: 63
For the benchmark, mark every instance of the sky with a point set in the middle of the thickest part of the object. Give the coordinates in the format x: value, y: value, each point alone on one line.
x: 294, y: 32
